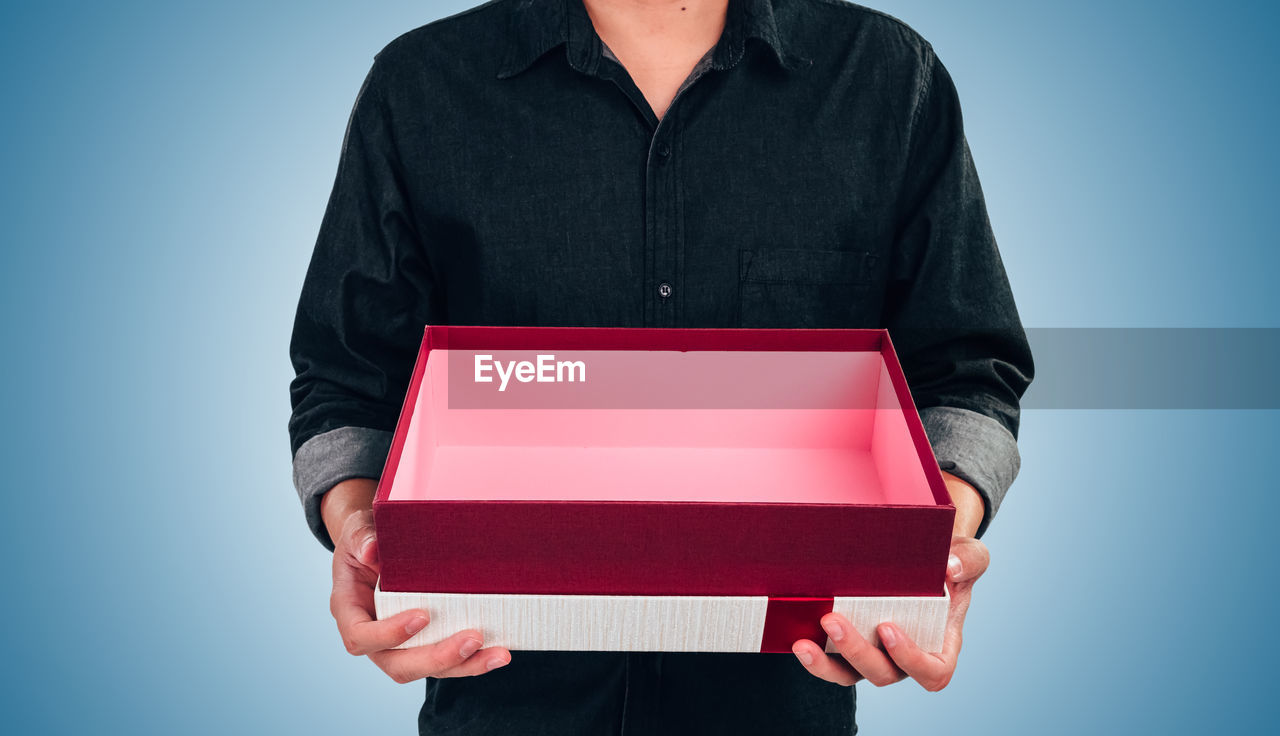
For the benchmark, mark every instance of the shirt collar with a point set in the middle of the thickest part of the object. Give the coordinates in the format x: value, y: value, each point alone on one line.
x: 537, y: 26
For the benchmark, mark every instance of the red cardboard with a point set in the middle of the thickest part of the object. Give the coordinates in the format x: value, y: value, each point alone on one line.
x: 759, y: 480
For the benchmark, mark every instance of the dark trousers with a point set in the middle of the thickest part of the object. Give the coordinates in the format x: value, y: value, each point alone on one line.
x: 639, y: 694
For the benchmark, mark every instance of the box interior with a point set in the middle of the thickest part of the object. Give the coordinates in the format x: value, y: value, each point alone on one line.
x: 761, y: 427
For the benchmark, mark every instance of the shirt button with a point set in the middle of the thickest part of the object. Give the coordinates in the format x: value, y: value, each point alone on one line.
x: 664, y: 150
x: 664, y: 290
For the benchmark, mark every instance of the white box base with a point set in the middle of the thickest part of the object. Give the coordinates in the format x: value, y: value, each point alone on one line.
x: 616, y: 623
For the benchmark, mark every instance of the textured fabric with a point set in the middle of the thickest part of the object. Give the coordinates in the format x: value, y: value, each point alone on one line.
x: 327, y: 459
x: 975, y: 448
x: 500, y: 169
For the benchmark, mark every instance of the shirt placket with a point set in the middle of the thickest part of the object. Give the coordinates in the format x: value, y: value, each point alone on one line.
x: 661, y: 229
x: 664, y: 246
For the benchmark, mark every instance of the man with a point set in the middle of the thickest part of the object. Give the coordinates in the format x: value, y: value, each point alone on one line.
x: 651, y: 163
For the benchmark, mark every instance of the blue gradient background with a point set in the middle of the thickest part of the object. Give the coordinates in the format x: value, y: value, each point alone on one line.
x: 166, y: 166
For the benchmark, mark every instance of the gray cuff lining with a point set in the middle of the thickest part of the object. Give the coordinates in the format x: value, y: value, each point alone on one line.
x: 330, y: 458
x: 976, y: 449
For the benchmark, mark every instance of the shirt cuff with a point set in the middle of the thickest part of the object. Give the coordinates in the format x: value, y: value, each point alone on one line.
x: 975, y: 448
x: 330, y: 458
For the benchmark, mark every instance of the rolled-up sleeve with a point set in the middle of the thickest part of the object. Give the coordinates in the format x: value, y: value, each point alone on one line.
x: 949, y: 307
x: 976, y: 449
x: 331, y: 457
x: 368, y: 292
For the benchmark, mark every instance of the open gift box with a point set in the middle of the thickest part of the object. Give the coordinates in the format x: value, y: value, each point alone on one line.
x: 661, y: 489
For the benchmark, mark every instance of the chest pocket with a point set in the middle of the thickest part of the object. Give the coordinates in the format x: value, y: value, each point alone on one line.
x: 805, y: 288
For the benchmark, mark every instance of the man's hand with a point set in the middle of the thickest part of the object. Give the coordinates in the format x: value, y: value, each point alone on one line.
x: 900, y: 657
x: 348, y: 515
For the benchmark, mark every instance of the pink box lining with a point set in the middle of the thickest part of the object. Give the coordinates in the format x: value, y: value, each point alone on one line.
x: 862, y: 453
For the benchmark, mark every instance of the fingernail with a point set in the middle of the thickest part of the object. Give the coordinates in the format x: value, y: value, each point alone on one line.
x: 805, y: 657
x: 954, y: 567
x: 888, y: 636
x: 494, y: 663
x: 469, y: 647
x: 364, y: 548
x: 416, y: 624
x: 834, y: 630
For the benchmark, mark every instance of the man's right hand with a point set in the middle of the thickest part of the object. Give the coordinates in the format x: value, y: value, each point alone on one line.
x: 348, y: 515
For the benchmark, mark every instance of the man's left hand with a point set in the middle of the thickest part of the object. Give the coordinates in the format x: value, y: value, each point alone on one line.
x: 899, y: 657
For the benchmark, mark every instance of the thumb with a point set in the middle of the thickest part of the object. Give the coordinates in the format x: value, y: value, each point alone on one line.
x: 367, y: 549
x: 362, y: 541
x: 969, y: 559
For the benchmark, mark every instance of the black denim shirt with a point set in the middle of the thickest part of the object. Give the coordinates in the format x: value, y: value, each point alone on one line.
x: 501, y: 168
